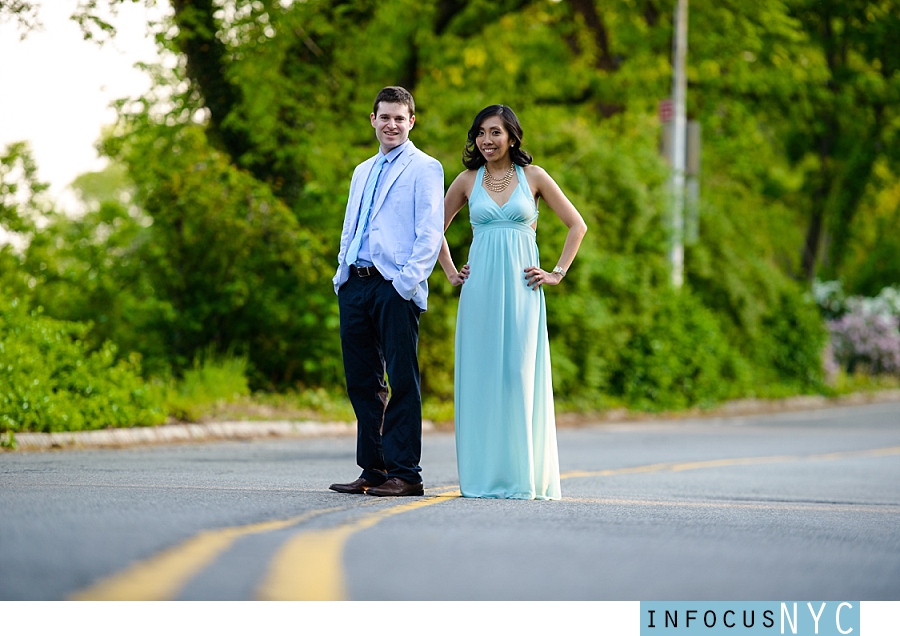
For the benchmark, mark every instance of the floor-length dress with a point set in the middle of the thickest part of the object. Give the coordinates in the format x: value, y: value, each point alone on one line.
x: 505, y: 424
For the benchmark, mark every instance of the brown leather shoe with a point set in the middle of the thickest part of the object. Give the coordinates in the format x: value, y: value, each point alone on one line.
x: 358, y: 487
x: 395, y: 487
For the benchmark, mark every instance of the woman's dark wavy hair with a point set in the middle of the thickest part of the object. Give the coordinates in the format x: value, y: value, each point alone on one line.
x: 472, y: 157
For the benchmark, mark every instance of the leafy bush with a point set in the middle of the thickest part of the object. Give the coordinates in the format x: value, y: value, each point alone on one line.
x: 51, y: 381
x: 212, y: 260
x: 212, y: 380
x: 791, y: 342
x: 679, y: 359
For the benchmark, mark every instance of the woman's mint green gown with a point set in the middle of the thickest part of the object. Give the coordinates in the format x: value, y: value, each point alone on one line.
x: 505, y: 425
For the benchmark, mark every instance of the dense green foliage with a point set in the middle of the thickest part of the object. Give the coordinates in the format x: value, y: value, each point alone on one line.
x: 216, y: 227
x: 51, y: 381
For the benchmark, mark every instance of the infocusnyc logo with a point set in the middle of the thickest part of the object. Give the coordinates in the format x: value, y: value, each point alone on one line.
x: 738, y: 618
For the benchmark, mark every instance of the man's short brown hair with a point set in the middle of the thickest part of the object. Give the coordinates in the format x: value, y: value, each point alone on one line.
x: 395, y: 95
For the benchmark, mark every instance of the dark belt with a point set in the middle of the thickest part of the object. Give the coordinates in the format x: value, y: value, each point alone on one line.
x: 364, y: 272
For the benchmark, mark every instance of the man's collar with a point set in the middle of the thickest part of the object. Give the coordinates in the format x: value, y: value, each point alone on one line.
x: 396, y: 152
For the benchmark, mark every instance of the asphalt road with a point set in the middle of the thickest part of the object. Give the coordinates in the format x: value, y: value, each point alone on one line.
x: 793, y: 506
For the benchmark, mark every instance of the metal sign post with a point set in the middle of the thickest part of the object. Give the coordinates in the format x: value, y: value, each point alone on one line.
x: 692, y: 183
x: 679, y: 135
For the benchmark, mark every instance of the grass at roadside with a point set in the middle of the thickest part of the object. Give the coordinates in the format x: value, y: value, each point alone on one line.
x: 842, y: 388
x: 304, y: 404
x: 333, y: 405
x: 844, y: 384
x: 216, y: 389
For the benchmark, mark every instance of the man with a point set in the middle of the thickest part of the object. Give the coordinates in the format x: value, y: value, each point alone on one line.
x: 392, y: 234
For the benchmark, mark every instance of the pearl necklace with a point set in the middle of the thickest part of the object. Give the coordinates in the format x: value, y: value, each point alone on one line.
x: 497, y: 185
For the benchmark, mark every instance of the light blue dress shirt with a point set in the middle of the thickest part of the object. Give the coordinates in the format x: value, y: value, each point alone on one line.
x: 364, y: 257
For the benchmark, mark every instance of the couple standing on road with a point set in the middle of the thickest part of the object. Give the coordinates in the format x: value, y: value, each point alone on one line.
x: 393, y: 234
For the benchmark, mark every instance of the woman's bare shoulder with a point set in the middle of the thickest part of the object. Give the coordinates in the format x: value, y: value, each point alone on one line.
x: 461, y: 187
x: 536, y: 172
x: 465, y: 180
x: 466, y: 176
x: 538, y: 179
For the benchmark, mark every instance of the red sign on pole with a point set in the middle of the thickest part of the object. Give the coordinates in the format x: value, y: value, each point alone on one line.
x: 665, y: 111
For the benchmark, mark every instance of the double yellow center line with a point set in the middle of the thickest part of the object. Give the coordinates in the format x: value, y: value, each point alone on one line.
x: 308, y: 566
x: 162, y: 576
x: 677, y: 467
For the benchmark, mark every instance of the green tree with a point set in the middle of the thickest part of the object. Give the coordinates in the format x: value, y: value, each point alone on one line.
x: 22, y: 12
x: 22, y: 210
x: 851, y: 119
x: 53, y: 376
x: 241, y: 155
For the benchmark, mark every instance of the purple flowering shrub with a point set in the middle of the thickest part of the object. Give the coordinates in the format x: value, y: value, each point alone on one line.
x: 866, y: 341
x: 865, y: 332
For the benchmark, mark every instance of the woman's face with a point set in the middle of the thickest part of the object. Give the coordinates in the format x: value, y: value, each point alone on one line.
x: 492, y: 139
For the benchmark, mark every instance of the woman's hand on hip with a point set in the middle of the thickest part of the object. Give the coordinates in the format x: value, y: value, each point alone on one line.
x: 537, y: 277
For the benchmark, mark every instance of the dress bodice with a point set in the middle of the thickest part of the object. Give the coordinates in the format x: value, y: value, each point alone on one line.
x: 520, y: 207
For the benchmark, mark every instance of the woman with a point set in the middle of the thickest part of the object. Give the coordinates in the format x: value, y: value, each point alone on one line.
x: 505, y: 426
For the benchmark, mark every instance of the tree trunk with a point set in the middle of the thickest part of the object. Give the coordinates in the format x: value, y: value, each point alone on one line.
x: 206, y: 62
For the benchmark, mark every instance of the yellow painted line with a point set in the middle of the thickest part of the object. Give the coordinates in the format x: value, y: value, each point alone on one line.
x: 309, y: 567
x: 737, y: 461
x: 162, y: 576
x: 650, y: 468
x: 877, y: 452
x: 753, y: 505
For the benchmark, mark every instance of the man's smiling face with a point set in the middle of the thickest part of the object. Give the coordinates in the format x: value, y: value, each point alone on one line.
x: 392, y: 124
